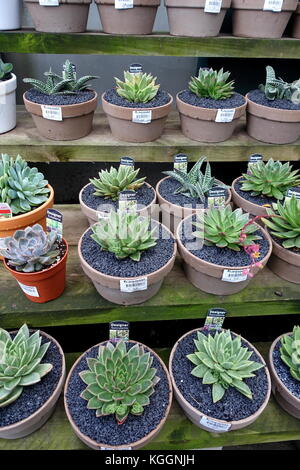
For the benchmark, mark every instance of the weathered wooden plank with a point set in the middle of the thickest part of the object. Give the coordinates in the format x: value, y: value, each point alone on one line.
x: 161, y: 44
x: 100, y: 145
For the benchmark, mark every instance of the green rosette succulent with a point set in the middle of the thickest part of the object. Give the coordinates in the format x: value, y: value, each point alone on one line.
x: 111, y: 183
x: 290, y: 352
x: 284, y: 222
x: 212, y: 84
x: 137, y: 88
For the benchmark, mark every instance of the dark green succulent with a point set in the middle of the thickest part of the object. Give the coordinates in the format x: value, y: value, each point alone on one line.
x: 212, y: 84
x: 5, y: 71
x: 290, y: 352
x: 284, y: 222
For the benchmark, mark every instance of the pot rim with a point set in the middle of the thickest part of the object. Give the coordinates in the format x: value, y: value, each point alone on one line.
x: 10, y: 81
x: 135, y: 443
x: 262, y: 106
x: 210, y: 109
x: 63, y: 106
x: 115, y: 106
x: 237, y: 194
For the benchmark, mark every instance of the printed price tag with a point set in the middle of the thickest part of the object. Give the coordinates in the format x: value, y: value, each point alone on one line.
x: 49, y: 3
x: 127, y: 201
x: 54, y: 113
x: 133, y: 285
x: 123, y: 4
x: 273, y: 5
x: 126, y: 161
x: 135, y: 68
x: 217, y: 197
x: 181, y: 162
x: 214, y: 425
x: 5, y: 211
x: 54, y: 221
x: 142, y: 117
x: 29, y: 290
x: 213, y: 6
x: 119, y: 330
x: 291, y: 192
x: 215, y: 318
x: 225, y: 115
x: 234, y: 275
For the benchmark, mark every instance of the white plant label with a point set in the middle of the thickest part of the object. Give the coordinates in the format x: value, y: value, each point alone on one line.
x: 213, y: 6
x: 214, y: 425
x: 225, y: 115
x: 273, y: 5
x: 49, y: 3
x: 122, y: 448
x: 53, y: 113
x: 234, y: 275
x: 103, y: 215
x: 133, y: 285
x: 142, y: 117
x: 123, y: 4
x: 29, y: 290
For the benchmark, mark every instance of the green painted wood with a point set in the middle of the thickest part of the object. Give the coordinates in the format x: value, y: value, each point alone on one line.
x: 100, y: 145
x: 28, y: 41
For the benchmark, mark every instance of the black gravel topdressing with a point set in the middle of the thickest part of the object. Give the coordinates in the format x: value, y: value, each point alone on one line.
x: 259, y: 97
x: 234, y: 406
x: 34, y: 396
x: 235, y: 101
x: 162, y: 98
x: 283, y: 372
x: 145, y: 195
x: 167, y: 188
x: 59, y: 100
x: 259, y: 200
x: 106, y: 430
x: 106, y: 262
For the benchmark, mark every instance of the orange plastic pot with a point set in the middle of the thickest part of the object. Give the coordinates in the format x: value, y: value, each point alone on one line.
x: 45, y: 285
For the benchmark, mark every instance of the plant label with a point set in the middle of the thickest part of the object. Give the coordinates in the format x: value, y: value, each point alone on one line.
x: 127, y: 161
x: 142, y: 117
x: 289, y: 194
x: 135, y: 68
x: 225, y: 115
x: 54, y: 221
x: 103, y: 215
x: 273, y: 5
x: 215, y: 318
x: 255, y: 158
x: 5, y: 211
x: 123, y: 4
x: 215, y: 425
x: 181, y: 162
x: 133, y: 285
x: 213, y: 6
x: 118, y: 331
x: 49, y: 3
x: 235, y: 275
x: 216, y: 197
x: 29, y: 290
x: 128, y: 201
x: 53, y: 113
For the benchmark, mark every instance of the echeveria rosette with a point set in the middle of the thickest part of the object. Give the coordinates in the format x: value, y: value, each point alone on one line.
x: 290, y: 352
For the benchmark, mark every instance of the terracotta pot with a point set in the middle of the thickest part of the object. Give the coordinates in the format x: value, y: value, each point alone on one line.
x: 92, y: 214
x: 109, y: 286
x: 296, y: 24
x: 285, y: 263
x: 77, y: 119
x: 38, y: 418
x: 208, y: 276
x: 247, y: 206
x: 199, y: 123
x: 172, y: 214
x: 69, y: 17
x: 251, y: 21
x: 137, y: 20
x: 196, y: 416
x: 44, y: 285
x: 289, y: 402
x: 188, y: 18
x: 136, y: 444
x: 122, y: 127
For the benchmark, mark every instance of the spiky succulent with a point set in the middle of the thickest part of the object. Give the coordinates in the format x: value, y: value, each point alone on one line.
x: 284, y: 222
x: 223, y: 228
x: 276, y: 88
x: 119, y: 381
x: 223, y: 362
x: 124, y: 234
x: 290, y: 352
x: 5, y: 71
x: 271, y: 179
x: 31, y: 250
x: 20, y: 363
x: 137, y: 88
x: 21, y: 187
x: 212, y: 84
x: 111, y: 183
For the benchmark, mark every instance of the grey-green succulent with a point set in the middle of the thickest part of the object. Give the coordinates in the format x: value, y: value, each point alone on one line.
x: 111, y: 183
x: 137, y: 88
x: 276, y: 88
x: 212, y: 84
x: 284, y: 222
x: 5, y: 71
x: 290, y: 352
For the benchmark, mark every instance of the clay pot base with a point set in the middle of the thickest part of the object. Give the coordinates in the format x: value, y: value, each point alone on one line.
x: 286, y: 405
x: 128, y: 131
x: 272, y: 132
x: 137, y: 20
x: 62, y: 19
x: 126, y: 298
x: 69, y: 129
x: 283, y: 269
x: 259, y: 24
x: 206, y: 131
x: 194, y: 22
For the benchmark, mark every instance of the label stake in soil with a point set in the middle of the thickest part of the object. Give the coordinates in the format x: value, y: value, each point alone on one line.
x: 254, y: 158
x: 135, y: 68
x: 5, y: 211
x: 127, y: 201
x: 127, y: 161
x: 54, y: 221
x: 215, y: 318
x: 217, y: 197
x: 119, y: 331
x: 293, y: 192
x: 181, y: 162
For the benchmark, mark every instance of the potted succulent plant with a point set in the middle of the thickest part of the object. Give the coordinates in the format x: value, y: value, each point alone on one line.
x: 131, y: 17
x: 273, y: 110
x: 225, y: 251
x: 62, y: 107
x: 32, y: 373
x: 8, y: 85
x: 136, y: 108
x: 264, y: 184
x: 125, y: 258
x: 210, y: 109
x: 102, y: 194
x: 283, y: 222
x: 261, y: 18
x: 66, y: 16
x: 296, y: 23
x: 219, y: 379
x: 198, y: 18
x: 180, y: 194
x: 10, y: 17
x: 37, y: 260
x: 106, y: 416
x: 284, y: 365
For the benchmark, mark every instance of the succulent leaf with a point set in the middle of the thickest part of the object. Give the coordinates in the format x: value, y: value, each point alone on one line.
x: 212, y: 84
x: 276, y: 88
x: 111, y: 183
x: 5, y: 71
x: 290, y: 352
x: 137, y: 88
x: 284, y: 222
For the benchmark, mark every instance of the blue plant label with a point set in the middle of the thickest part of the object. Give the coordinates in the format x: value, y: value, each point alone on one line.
x: 5, y: 211
x: 217, y: 196
x: 128, y: 201
x: 181, y: 162
x: 293, y: 192
x: 54, y: 221
x: 135, y: 68
x: 127, y: 161
x: 215, y: 318
x: 119, y: 331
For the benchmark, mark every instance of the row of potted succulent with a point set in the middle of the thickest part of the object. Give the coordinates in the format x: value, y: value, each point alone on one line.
x: 118, y: 394
x: 201, y: 18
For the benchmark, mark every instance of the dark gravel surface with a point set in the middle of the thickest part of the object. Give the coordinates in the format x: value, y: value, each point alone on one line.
x: 160, y: 99
x: 259, y: 97
x: 59, y: 100
x: 259, y: 200
x: 106, y: 430
x: 283, y: 372
x: 106, y: 262
x: 234, y: 406
x: 234, y: 101
x: 167, y: 188
x: 34, y: 396
x: 145, y: 195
